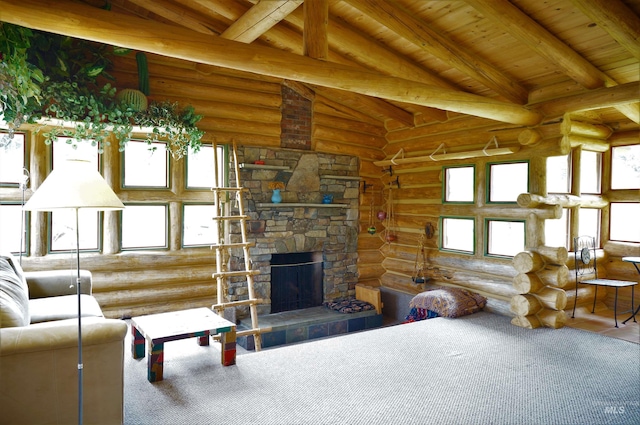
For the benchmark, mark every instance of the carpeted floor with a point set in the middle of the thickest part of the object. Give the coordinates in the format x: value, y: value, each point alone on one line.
x: 479, y: 369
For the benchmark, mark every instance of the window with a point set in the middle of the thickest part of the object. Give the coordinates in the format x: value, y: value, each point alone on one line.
x: 507, y: 181
x: 505, y: 238
x: 65, y: 148
x: 63, y: 222
x: 144, y: 226
x: 63, y: 230
x: 458, y: 234
x: 624, y: 223
x: 590, y: 172
x: 11, y: 228
x: 200, y: 167
x: 145, y: 165
x: 12, y: 159
x: 198, y: 228
x: 459, y: 184
x: 625, y: 167
x: 589, y: 223
x: 558, y: 174
x: 556, y: 231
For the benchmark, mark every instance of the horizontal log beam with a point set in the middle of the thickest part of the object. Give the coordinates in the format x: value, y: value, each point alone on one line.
x: 594, y: 99
x: 531, y: 200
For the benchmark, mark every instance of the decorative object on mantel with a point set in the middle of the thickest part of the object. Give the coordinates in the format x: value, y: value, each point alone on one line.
x: 42, y: 82
x: 327, y: 198
x: 276, y: 197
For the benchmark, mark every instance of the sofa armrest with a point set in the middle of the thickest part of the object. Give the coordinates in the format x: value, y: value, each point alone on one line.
x: 52, y: 283
x: 39, y: 369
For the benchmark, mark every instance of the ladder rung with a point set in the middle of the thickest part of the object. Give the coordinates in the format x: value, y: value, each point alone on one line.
x: 235, y: 273
x: 238, y: 303
x: 253, y: 331
x: 231, y: 217
x: 246, y: 332
x: 233, y: 245
x: 229, y: 189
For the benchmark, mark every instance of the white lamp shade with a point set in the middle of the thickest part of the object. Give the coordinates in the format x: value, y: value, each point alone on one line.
x: 75, y: 184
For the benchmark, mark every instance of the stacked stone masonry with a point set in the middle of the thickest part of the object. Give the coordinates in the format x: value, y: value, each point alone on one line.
x: 285, y: 229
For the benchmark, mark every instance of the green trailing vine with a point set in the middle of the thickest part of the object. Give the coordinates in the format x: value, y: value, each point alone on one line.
x: 55, y: 81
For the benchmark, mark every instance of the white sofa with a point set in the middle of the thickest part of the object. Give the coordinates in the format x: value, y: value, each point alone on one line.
x: 39, y: 350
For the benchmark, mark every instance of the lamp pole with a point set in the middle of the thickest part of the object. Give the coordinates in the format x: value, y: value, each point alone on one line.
x: 78, y: 282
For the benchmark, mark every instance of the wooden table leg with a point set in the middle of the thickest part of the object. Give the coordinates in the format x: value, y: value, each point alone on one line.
x: 228, y: 341
x: 155, y: 362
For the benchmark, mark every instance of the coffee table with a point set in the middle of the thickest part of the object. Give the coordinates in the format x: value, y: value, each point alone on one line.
x: 156, y: 329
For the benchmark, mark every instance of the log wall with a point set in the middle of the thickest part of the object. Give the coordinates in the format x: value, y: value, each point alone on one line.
x: 237, y: 107
x: 246, y: 108
x: 535, y: 297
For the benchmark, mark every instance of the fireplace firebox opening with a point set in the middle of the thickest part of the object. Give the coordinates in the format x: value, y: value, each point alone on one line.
x: 296, y: 281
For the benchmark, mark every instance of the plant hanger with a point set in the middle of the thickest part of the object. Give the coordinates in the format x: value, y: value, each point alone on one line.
x: 420, y: 265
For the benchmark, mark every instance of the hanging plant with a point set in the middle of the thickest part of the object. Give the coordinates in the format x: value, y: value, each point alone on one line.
x: 19, y: 80
x: 175, y: 126
x: 53, y: 80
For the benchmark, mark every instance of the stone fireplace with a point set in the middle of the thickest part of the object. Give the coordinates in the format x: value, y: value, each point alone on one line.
x: 301, y: 223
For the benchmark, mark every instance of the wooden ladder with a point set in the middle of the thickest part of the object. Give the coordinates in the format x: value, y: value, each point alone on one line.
x: 222, y: 219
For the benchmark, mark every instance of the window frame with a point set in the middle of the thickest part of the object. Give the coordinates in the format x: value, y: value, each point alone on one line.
x: 445, y: 181
x: 613, y: 148
x: 27, y: 226
x: 489, y: 176
x: 611, y: 221
x: 223, y: 168
x: 442, y: 234
x: 25, y: 156
x: 600, y: 161
x: 488, y: 220
x: 167, y: 227
x: 168, y: 165
x: 99, y: 238
x: 183, y: 233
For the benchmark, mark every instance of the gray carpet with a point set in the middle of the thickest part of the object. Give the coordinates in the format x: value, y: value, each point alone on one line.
x: 479, y: 369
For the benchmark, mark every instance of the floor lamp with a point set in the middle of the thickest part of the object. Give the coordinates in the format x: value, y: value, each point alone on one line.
x: 75, y: 185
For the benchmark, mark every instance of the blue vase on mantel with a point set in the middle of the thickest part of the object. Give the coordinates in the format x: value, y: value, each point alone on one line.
x: 276, y: 198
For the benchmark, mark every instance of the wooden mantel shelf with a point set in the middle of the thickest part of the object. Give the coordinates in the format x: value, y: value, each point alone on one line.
x: 330, y: 176
x: 299, y: 204
x: 262, y: 166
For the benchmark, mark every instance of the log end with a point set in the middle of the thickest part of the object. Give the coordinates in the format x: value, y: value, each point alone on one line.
x: 529, y: 322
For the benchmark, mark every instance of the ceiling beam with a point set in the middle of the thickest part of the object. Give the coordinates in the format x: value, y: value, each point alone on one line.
x: 622, y: 24
x: 314, y: 37
x: 545, y: 44
x: 605, y: 97
x: 419, y: 33
x: 176, y: 14
x: 259, y: 19
x: 81, y: 21
x: 548, y: 46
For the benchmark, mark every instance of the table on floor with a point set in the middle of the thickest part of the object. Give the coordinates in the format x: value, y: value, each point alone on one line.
x: 635, y: 261
x: 200, y: 323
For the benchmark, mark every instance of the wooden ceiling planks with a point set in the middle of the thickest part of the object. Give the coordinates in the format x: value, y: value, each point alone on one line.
x: 599, y: 46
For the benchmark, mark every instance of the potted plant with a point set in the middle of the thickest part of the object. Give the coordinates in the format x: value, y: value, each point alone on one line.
x: 64, y: 84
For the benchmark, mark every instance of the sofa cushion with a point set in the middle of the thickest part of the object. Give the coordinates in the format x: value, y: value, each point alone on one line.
x: 14, y: 293
x: 63, y: 307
